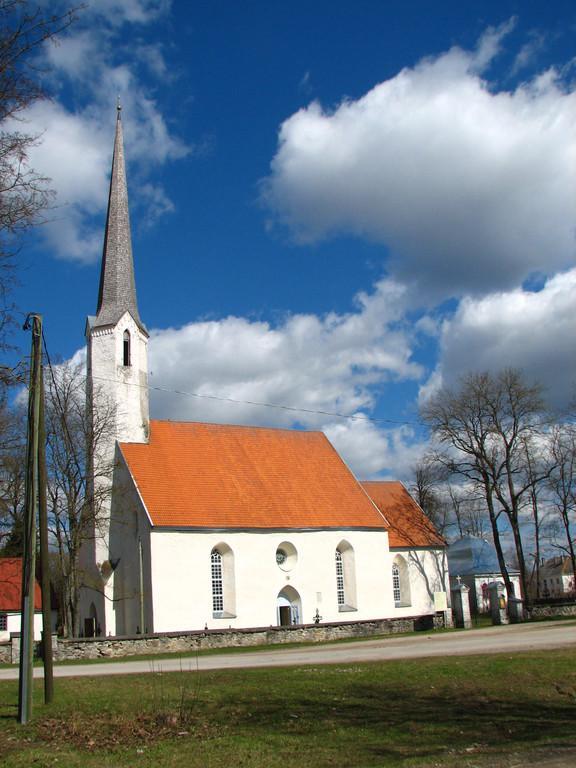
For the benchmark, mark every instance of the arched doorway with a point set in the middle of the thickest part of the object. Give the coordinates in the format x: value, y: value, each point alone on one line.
x: 91, y: 628
x: 288, y: 607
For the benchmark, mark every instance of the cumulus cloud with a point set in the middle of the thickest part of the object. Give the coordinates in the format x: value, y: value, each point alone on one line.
x: 76, y: 144
x: 469, y: 187
x: 330, y: 363
x: 532, y: 330
x: 133, y: 11
x: 373, y: 451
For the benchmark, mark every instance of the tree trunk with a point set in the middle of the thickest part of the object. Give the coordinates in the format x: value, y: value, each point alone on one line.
x: 496, y: 536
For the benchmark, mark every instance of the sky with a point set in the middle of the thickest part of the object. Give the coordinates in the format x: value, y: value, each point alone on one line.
x: 336, y: 207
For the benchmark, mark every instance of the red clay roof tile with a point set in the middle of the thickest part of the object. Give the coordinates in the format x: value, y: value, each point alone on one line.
x: 11, y: 585
x: 409, y: 526
x: 224, y: 476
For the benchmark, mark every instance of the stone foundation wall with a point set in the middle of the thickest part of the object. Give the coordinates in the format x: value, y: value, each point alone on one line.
x: 547, y: 611
x: 6, y: 653
x: 180, y: 642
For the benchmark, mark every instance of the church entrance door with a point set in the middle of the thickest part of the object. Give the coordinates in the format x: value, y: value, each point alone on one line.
x: 288, y: 607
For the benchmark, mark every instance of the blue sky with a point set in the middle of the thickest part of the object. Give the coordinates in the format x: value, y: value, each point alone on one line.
x: 336, y: 207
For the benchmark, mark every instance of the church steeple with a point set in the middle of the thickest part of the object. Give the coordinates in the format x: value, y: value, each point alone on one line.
x: 117, y: 292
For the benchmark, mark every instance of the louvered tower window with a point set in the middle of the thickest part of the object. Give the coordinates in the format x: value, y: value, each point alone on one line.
x: 126, y: 348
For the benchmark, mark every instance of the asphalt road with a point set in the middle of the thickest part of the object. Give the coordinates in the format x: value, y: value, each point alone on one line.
x: 505, y: 639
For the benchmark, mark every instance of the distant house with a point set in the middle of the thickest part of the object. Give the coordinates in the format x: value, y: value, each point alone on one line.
x: 557, y: 577
x: 11, y: 596
x: 474, y: 562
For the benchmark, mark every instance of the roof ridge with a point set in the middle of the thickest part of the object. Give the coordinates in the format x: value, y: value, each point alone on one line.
x: 240, y: 426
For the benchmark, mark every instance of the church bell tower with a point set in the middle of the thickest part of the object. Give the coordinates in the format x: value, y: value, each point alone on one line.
x: 117, y: 338
x: 116, y: 387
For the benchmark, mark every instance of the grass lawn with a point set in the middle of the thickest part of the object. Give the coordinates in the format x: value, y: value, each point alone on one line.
x: 464, y: 711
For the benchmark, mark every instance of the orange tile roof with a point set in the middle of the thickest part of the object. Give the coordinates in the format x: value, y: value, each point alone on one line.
x: 223, y: 476
x: 409, y: 526
x: 11, y: 585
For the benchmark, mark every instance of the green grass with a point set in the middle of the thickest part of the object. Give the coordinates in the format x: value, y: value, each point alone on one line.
x: 464, y: 711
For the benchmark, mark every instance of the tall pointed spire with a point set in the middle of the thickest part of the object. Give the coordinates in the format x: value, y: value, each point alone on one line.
x: 117, y: 292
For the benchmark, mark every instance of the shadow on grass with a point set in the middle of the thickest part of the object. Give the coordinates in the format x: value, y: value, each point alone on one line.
x: 393, y: 714
x: 388, y: 723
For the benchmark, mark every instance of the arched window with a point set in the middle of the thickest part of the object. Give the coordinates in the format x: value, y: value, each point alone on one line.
x: 345, y: 577
x: 401, y: 582
x: 217, y: 586
x: 339, y: 578
x: 396, y: 584
x: 126, y: 349
x: 223, y: 585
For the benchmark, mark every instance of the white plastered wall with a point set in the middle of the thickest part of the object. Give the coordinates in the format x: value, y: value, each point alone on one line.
x: 14, y: 624
x: 131, y: 594
x: 428, y: 573
x: 182, y: 589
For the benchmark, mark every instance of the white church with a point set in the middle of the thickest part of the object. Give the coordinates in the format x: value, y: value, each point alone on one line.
x: 217, y: 525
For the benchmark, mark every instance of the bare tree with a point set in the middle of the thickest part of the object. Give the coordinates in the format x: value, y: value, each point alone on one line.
x: 427, y: 489
x: 562, y: 487
x: 469, y: 509
x: 12, y: 472
x: 484, y: 427
x: 538, y: 463
x: 24, y: 193
x: 453, y: 508
x: 75, y: 508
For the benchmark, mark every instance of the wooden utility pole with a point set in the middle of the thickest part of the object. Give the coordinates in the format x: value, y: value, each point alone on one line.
x: 34, y: 322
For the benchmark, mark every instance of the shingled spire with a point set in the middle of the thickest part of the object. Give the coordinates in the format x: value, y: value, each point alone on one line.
x: 117, y: 292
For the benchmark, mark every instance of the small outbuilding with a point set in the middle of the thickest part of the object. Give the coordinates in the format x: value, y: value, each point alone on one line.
x: 11, y: 598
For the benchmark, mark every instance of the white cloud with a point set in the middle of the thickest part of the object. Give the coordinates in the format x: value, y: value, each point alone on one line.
x: 321, y: 364
x: 375, y: 452
x: 470, y: 188
x: 529, y: 51
x: 74, y: 53
x: 520, y: 329
x: 76, y: 145
x: 132, y: 11
x: 115, y: 12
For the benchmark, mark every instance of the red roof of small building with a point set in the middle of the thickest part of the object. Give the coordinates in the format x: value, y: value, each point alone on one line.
x: 409, y: 526
x: 234, y: 477
x: 11, y: 585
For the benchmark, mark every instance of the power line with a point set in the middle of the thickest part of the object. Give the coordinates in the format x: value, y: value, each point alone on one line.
x: 259, y: 404
x: 253, y: 403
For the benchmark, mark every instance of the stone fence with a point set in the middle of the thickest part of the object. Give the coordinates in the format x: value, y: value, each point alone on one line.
x: 544, y: 611
x: 182, y: 642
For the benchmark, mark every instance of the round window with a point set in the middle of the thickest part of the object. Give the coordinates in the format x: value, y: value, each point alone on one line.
x: 286, y: 556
